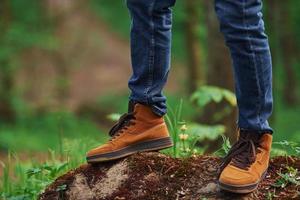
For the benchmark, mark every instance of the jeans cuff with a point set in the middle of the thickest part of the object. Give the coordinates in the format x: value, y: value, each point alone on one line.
x: 156, y: 110
x: 257, y: 131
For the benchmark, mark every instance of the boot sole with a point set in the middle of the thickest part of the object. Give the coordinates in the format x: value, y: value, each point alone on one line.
x: 150, y: 145
x: 241, y: 189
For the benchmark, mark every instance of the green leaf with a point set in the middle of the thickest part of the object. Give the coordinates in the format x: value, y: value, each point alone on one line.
x: 33, y: 171
x: 114, y: 117
x: 278, y: 152
x: 206, y: 94
x: 230, y: 97
x: 61, y: 188
x: 216, y: 96
x: 202, y: 132
x: 62, y: 167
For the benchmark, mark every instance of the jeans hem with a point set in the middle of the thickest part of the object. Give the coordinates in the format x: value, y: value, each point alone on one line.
x: 144, y: 101
x: 257, y: 130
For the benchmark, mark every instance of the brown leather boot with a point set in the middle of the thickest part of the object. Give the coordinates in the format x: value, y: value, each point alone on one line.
x: 246, y: 163
x: 140, y: 130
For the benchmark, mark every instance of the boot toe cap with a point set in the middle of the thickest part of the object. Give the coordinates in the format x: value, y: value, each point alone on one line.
x: 232, y: 175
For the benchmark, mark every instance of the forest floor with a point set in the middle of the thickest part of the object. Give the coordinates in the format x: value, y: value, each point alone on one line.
x: 157, y: 176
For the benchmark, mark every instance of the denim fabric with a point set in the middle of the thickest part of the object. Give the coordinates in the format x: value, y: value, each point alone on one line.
x: 243, y: 28
x: 150, y: 51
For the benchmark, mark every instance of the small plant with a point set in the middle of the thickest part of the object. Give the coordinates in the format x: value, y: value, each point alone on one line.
x: 286, y: 148
x: 290, y: 177
x: 186, y: 136
x: 187, y: 143
x: 183, y: 139
x: 61, y: 188
x: 206, y: 94
x: 51, y: 171
x: 31, y: 180
x: 25, y: 180
x: 174, y: 121
x: 226, y: 146
x: 270, y: 195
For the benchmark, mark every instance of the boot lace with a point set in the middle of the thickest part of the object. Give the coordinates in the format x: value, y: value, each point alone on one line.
x: 243, y: 152
x: 123, y: 123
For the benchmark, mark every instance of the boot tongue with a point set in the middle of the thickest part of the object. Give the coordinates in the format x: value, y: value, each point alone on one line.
x: 248, y: 135
x: 144, y: 112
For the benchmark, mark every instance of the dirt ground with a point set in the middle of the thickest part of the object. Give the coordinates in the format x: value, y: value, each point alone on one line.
x: 156, y: 176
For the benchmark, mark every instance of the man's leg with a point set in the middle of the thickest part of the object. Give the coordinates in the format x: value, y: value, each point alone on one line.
x: 150, y: 51
x: 143, y: 127
x: 243, y: 28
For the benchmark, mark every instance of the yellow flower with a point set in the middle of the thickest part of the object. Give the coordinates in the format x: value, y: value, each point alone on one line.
x: 183, y: 136
x: 183, y: 127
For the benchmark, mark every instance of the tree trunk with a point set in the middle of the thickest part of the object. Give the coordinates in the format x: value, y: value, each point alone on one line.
x: 7, y: 112
x: 196, y: 74
x: 58, y: 11
x: 62, y: 80
x: 272, y: 20
x: 290, y: 53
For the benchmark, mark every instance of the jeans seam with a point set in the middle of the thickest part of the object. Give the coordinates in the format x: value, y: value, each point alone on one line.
x: 151, y: 54
x: 255, y: 65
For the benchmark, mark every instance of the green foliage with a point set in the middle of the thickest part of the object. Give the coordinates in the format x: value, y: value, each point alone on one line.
x: 186, y: 135
x: 25, y: 26
x: 207, y: 94
x: 286, y: 123
x: 110, y: 11
x: 198, y: 133
x: 173, y: 119
x: 290, y: 177
x: 284, y: 148
x: 184, y: 144
x: 114, y: 117
x: 31, y: 178
x: 29, y: 133
x: 204, y: 132
x: 270, y: 195
x: 25, y: 180
x: 226, y: 146
x: 107, y: 10
x: 294, y: 9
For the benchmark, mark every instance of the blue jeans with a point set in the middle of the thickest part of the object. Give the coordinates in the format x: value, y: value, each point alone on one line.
x: 243, y: 28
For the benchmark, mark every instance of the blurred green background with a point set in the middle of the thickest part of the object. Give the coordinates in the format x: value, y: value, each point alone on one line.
x: 64, y: 66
